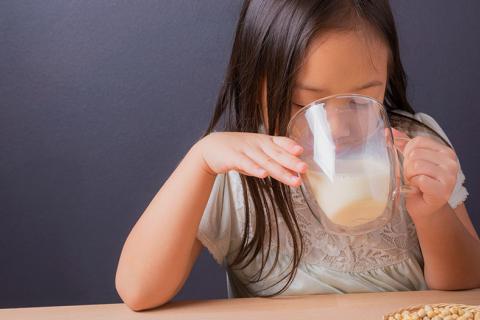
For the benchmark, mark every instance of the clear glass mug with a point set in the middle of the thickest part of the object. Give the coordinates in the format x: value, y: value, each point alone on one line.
x: 353, y: 181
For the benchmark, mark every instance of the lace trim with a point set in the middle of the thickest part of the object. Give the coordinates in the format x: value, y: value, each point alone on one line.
x: 392, y: 244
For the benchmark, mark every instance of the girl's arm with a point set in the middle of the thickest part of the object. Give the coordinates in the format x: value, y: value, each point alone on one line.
x: 451, y: 249
x: 162, y: 247
x: 449, y: 243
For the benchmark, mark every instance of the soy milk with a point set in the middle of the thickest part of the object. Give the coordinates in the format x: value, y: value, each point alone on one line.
x: 357, y: 194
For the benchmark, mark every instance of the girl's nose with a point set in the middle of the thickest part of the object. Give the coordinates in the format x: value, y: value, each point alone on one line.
x: 340, y: 128
x: 339, y: 123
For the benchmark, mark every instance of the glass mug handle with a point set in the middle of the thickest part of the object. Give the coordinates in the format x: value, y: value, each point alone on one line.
x: 404, y: 189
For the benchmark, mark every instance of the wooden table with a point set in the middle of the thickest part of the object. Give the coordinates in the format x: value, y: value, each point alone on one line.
x: 349, y: 306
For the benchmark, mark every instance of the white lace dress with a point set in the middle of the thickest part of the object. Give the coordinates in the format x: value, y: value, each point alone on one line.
x: 387, y: 259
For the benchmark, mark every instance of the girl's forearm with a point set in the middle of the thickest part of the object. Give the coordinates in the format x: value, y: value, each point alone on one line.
x: 157, y: 255
x: 451, y: 253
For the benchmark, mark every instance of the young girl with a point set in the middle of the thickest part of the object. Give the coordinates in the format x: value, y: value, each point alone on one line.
x: 236, y: 192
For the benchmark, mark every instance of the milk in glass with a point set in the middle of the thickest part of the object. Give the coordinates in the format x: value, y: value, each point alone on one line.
x: 356, y: 194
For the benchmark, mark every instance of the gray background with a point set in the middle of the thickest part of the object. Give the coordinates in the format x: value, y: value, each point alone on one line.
x: 101, y: 99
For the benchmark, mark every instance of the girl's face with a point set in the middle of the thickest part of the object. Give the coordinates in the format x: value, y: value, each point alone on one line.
x: 340, y: 62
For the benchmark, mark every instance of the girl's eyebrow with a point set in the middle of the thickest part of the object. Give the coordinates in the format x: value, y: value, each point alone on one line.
x: 374, y: 83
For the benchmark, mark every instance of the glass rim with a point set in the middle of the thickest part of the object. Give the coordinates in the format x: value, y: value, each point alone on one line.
x: 331, y: 97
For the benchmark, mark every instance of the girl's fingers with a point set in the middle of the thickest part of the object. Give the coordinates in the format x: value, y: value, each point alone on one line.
x: 288, y: 145
x: 432, y: 156
x: 431, y: 189
x: 249, y: 167
x: 421, y: 167
x: 284, y: 158
x: 428, y: 143
x: 274, y: 169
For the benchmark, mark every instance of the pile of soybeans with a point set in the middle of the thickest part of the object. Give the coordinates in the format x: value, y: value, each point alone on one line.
x: 437, y: 312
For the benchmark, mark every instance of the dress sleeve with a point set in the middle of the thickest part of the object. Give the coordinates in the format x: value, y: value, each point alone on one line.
x: 217, y: 228
x: 460, y: 193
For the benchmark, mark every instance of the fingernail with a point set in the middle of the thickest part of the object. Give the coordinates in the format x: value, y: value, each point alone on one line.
x: 297, y: 148
x: 261, y: 171
x: 301, y: 167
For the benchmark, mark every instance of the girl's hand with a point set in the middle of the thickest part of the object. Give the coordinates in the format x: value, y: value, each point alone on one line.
x: 431, y: 167
x: 253, y: 154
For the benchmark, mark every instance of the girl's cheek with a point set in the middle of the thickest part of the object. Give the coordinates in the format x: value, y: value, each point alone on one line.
x: 295, y: 109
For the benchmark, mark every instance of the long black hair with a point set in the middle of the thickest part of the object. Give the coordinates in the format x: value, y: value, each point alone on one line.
x: 271, y: 40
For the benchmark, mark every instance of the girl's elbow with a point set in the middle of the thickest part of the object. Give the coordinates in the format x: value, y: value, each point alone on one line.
x: 137, y: 298
x: 133, y: 301
x: 440, y: 286
x: 452, y: 284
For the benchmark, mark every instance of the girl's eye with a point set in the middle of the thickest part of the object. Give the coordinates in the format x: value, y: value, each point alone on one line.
x: 354, y: 104
x: 296, y: 105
